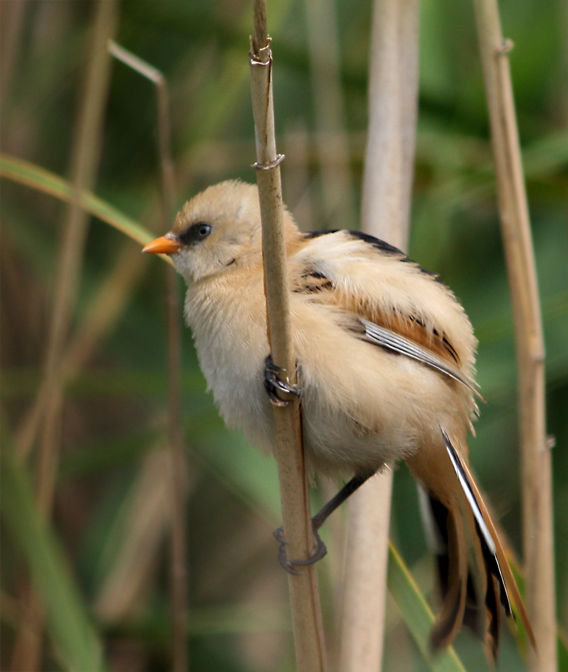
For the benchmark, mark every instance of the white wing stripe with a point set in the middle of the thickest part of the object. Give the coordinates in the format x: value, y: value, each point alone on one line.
x: 404, y: 346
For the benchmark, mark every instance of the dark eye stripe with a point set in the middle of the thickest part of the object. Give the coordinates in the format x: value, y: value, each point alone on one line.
x: 195, y: 233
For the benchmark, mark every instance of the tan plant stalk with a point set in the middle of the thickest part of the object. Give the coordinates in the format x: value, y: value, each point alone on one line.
x: 104, y: 310
x: 144, y: 521
x: 84, y: 162
x: 393, y: 93
x: 100, y: 317
x: 296, y: 173
x: 304, y: 596
x: 177, y: 463
x: 178, y: 459
x: 515, y: 224
x: 387, y: 188
x: 12, y: 23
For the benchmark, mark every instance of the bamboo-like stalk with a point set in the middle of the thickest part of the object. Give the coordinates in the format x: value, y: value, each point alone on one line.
x: 177, y: 470
x: 387, y: 187
x: 84, y: 163
x: 303, y: 589
x: 515, y: 225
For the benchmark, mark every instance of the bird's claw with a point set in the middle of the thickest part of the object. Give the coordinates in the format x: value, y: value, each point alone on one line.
x: 273, y: 384
x: 286, y: 563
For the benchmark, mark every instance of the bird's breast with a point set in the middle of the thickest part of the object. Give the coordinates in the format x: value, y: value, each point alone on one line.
x: 228, y: 321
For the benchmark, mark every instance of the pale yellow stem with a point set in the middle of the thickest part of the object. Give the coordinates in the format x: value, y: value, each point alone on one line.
x: 387, y: 188
x: 515, y: 225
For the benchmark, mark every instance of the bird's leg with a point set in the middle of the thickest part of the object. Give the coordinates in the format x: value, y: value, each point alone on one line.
x: 273, y: 384
x: 317, y: 521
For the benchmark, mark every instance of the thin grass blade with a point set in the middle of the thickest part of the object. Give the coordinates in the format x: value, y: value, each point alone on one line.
x: 69, y: 625
x: 43, y: 180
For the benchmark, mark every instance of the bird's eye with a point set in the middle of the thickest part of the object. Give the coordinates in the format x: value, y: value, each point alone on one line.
x: 202, y: 230
x: 195, y: 233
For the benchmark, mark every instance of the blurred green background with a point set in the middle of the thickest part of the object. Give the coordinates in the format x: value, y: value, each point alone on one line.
x: 111, y: 506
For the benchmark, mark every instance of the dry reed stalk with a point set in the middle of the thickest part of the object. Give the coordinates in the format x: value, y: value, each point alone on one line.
x: 104, y: 310
x: 331, y: 135
x: 178, y: 482
x: 296, y: 173
x: 12, y: 21
x: 84, y: 163
x: 387, y: 189
x: 365, y: 577
x: 177, y: 465
x: 145, y: 521
x: 393, y: 95
x: 515, y: 224
x: 178, y: 460
x: 303, y: 589
x: 101, y: 315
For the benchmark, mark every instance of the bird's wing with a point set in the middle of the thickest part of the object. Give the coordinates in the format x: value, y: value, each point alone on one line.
x: 394, y: 342
x: 396, y: 304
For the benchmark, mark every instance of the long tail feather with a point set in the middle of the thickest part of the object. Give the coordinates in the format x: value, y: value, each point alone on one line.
x: 451, y: 615
x: 493, y: 550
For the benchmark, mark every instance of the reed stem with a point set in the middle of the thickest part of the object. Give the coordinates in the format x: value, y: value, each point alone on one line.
x: 538, y: 541
x: 386, y: 199
x: 288, y: 451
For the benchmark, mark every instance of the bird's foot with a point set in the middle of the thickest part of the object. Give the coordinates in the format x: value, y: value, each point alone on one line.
x: 318, y: 553
x: 273, y: 385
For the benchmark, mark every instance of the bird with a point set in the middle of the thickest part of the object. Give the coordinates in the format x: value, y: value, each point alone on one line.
x: 386, y: 373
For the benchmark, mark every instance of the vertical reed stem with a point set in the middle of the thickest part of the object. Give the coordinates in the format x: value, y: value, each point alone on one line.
x: 303, y: 589
x: 515, y: 225
x: 331, y: 132
x: 177, y: 470
x: 387, y: 189
x: 84, y: 163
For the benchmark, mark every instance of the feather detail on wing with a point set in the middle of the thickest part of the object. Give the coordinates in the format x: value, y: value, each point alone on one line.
x: 400, y: 307
x: 404, y: 346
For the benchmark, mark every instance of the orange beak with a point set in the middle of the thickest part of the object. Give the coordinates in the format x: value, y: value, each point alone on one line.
x: 163, y: 245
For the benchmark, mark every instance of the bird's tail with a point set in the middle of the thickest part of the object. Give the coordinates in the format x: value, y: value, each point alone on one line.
x: 474, y: 574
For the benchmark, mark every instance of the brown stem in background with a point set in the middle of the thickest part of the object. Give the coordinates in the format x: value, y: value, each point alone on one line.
x: 84, y: 163
x: 288, y: 451
x: 177, y: 473
x: 12, y: 21
x: 332, y: 139
x: 296, y: 173
x: 515, y: 224
x: 386, y: 199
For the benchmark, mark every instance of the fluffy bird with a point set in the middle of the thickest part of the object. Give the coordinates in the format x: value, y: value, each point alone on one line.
x: 385, y: 365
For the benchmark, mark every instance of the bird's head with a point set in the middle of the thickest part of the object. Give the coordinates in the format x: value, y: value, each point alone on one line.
x: 218, y: 228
